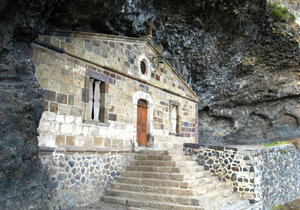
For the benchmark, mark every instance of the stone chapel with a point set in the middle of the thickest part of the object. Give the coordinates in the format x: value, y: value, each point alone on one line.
x: 105, y: 98
x: 108, y: 92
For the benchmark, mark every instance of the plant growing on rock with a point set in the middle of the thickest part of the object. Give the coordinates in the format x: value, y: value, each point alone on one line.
x: 282, y: 14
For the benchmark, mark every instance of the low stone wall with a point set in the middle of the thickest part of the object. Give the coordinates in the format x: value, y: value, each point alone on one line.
x: 80, y: 177
x: 229, y: 164
x: 265, y: 176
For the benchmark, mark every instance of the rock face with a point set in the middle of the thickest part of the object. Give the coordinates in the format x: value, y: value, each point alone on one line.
x: 245, y: 71
x: 244, y: 68
x: 23, y: 184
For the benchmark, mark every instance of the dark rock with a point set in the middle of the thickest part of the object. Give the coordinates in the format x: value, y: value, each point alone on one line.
x: 233, y: 177
x: 246, y: 158
x: 210, y: 161
x: 61, y: 176
x: 71, y: 163
x: 21, y: 106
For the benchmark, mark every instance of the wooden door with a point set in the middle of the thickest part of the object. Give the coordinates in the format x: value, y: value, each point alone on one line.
x: 142, y: 123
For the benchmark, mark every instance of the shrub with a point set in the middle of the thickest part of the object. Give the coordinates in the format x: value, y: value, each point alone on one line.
x: 282, y: 14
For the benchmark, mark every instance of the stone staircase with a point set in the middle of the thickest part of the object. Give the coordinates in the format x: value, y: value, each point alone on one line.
x: 159, y: 179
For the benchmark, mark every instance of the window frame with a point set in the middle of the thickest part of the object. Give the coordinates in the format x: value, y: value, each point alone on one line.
x: 178, y: 118
x: 103, y: 110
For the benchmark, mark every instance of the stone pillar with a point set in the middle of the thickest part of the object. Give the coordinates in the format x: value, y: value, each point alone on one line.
x: 174, y: 119
x: 91, y: 96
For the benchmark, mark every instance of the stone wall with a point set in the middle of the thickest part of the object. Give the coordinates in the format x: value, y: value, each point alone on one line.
x: 229, y: 164
x: 277, y: 171
x: 79, y: 178
x: 265, y: 176
x: 64, y: 66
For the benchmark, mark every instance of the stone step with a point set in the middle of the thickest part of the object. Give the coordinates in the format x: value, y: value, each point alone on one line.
x: 159, y: 183
x: 238, y: 205
x: 165, y: 169
x: 163, y: 163
x: 168, y: 183
x: 212, y: 197
x: 165, y: 176
x: 184, y: 200
x: 158, y: 190
x: 161, y: 179
x: 222, y: 201
x: 161, y: 152
x: 163, y: 157
x: 209, y: 187
x: 147, y: 204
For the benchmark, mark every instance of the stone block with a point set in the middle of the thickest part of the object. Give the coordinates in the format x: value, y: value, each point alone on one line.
x: 53, y: 85
x: 70, y: 141
x: 66, y: 129
x: 85, y: 95
x: 78, y: 81
x: 117, y: 143
x: 68, y: 79
x: 53, y: 107
x: 49, y: 95
x: 63, y: 109
x: 112, y: 117
x: 58, y: 77
x: 76, y: 111
x: 60, y: 140
x: 70, y: 100
x: 64, y: 88
x: 76, y: 91
x: 98, y: 141
x: 54, y: 41
x: 60, y: 118
x: 69, y: 119
x: 80, y: 140
x: 43, y: 57
x: 85, y: 131
x: 77, y: 130
x: 43, y: 83
x: 61, y: 98
x: 107, y: 142
x: 46, y: 105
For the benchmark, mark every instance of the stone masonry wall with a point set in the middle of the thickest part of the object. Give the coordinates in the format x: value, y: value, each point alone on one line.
x: 79, y: 178
x: 115, y: 61
x: 229, y: 164
x: 265, y: 176
x: 277, y: 171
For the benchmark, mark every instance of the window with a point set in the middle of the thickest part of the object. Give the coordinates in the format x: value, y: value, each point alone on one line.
x: 96, y: 100
x: 174, y: 119
x: 143, y: 67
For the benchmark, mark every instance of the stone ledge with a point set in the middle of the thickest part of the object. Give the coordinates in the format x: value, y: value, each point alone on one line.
x: 197, y: 146
x: 71, y: 150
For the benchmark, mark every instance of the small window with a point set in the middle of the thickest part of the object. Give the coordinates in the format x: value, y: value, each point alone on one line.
x: 174, y: 119
x: 96, y: 100
x: 143, y: 67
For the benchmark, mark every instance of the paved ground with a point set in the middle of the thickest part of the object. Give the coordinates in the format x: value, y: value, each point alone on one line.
x: 294, y: 205
x: 101, y: 206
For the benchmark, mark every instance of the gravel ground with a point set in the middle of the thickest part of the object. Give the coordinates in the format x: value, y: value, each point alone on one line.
x: 293, y: 205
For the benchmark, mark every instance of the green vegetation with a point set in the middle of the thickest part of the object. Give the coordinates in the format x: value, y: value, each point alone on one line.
x: 277, y: 207
x: 282, y: 14
x: 277, y: 143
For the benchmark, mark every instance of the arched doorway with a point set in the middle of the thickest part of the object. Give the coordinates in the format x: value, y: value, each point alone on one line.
x: 142, y: 109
